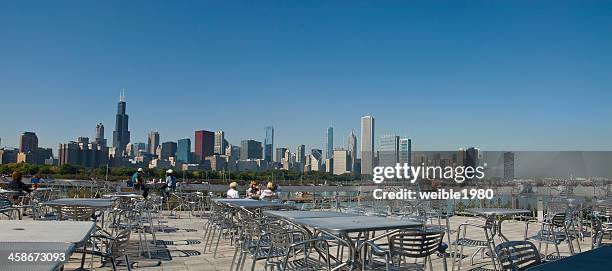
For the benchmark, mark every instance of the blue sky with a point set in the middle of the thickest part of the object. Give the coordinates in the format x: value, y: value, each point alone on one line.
x: 523, y: 75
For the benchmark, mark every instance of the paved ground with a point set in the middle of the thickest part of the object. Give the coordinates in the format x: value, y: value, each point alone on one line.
x: 185, y: 246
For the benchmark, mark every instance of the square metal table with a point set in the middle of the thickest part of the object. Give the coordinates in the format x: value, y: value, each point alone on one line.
x: 249, y: 203
x: 81, y: 202
x: 48, y: 256
x: 592, y: 260
x: 340, y: 228
x: 292, y: 215
x: 25, y: 231
x: 502, y: 213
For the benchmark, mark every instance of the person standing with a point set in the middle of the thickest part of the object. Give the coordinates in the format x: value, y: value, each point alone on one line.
x: 170, y: 185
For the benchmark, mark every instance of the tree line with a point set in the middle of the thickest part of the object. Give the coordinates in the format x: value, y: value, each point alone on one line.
x: 68, y: 171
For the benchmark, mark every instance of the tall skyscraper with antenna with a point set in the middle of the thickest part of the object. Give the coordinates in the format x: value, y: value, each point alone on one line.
x: 121, y: 135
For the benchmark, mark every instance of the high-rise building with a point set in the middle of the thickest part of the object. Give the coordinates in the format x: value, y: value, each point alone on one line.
x: 28, y: 142
x: 300, y: 154
x: 168, y: 149
x: 405, y: 151
x: 341, y: 162
x: 250, y: 149
x: 100, y: 135
x: 330, y: 143
x: 83, y: 153
x: 508, y: 166
x: 367, y: 145
x: 153, y: 142
x: 280, y: 154
x: 269, y: 143
x: 389, y: 149
x: 204, y: 144
x: 8, y: 156
x: 220, y: 142
x: 183, y: 150
x: 352, y: 151
x: 472, y: 157
x: 233, y: 151
x: 121, y: 135
x: 318, y: 154
x: 460, y: 160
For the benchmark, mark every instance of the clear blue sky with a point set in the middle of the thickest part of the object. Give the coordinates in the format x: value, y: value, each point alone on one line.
x: 493, y: 74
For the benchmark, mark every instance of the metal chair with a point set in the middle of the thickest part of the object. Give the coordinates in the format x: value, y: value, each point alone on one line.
x: 554, y: 229
x: 489, y: 230
x: 517, y: 255
x: 415, y: 244
x: 7, y: 209
x: 290, y: 250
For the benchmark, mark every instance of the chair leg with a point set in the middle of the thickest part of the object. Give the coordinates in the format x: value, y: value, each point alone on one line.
x: 127, y: 262
x: 217, y: 245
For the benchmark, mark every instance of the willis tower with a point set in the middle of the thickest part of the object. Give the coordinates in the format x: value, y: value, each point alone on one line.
x: 121, y: 135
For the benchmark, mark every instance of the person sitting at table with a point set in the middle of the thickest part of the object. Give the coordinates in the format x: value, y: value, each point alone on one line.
x: 135, y: 178
x: 253, y: 191
x: 17, y: 185
x: 232, y: 193
x: 269, y: 193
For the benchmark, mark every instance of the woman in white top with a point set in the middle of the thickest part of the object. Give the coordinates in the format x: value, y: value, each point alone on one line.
x: 232, y: 193
x: 269, y: 192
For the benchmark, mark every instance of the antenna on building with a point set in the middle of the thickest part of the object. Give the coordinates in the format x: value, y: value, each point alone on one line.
x: 122, y: 95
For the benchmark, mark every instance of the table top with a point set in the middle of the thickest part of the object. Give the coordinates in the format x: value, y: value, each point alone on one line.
x: 4, y: 191
x: 87, y: 202
x: 28, y: 231
x: 123, y: 195
x: 249, y: 203
x: 497, y: 211
x: 34, y: 247
x: 348, y: 224
x: 592, y: 260
x: 291, y: 215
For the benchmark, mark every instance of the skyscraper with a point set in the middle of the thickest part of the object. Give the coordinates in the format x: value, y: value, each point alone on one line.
x: 300, y: 154
x: 168, y: 149
x: 471, y: 157
x: 183, y: 150
x: 269, y: 143
x: 367, y: 145
x: 341, y: 162
x: 250, y: 149
x: 121, y: 135
x: 330, y: 143
x: 352, y: 151
x: 204, y: 144
x: 100, y: 135
x: 389, y: 148
x: 28, y: 142
x: 153, y: 142
x: 405, y: 151
x: 508, y: 166
x: 220, y: 142
x: 280, y: 154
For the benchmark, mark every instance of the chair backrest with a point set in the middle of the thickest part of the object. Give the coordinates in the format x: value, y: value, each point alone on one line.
x: 517, y: 255
x: 415, y: 244
x: 558, y: 220
x: 76, y: 213
x: 5, y: 203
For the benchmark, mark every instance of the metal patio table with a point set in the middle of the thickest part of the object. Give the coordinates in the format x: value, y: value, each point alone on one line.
x: 249, y: 203
x: 340, y: 227
x: 24, y: 231
x: 592, y: 260
x: 81, y: 202
x: 499, y: 214
x: 53, y: 250
x: 292, y: 215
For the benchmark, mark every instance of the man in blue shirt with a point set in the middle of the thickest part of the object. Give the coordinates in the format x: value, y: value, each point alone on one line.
x: 135, y: 178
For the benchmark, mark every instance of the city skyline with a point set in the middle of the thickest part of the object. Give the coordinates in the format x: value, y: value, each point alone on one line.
x: 497, y: 76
